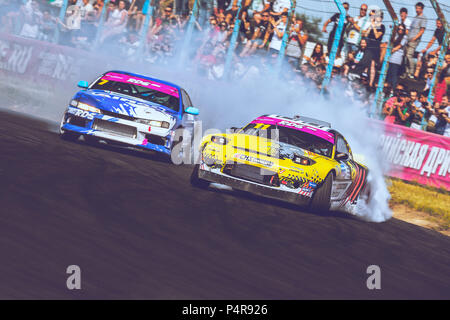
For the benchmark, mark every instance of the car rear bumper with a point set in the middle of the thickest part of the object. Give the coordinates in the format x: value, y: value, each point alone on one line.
x: 252, y: 187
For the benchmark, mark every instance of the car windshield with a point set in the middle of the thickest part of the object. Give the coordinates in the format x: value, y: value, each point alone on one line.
x: 147, y: 94
x: 290, y: 140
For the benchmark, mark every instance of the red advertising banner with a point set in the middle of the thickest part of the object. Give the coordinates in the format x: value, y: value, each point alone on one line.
x: 416, y: 155
x: 42, y: 61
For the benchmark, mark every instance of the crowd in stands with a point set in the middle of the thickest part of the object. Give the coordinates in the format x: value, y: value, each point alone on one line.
x: 360, y: 54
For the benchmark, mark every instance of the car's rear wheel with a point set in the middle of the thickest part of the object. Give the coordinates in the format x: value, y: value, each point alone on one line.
x: 196, y: 181
x: 320, y: 201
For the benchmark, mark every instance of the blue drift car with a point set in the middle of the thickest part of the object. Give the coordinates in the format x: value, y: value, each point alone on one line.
x: 129, y: 110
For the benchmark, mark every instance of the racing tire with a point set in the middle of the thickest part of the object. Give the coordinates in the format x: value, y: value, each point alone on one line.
x: 68, y: 136
x: 320, y: 201
x: 196, y: 181
x: 90, y: 140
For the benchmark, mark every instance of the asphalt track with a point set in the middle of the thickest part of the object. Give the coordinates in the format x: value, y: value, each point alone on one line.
x: 138, y: 230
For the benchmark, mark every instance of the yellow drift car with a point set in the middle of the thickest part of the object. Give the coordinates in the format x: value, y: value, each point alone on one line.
x: 299, y: 160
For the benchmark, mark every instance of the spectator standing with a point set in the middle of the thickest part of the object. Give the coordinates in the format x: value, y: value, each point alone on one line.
x: 117, y: 21
x: 317, y: 57
x: 396, y: 59
x: 206, y: 8
x: 72, y: 24
x: 278, y: 28
x: 355, y: 28
x: 438, y: 35
x: 375, y: 33
x: 32, y: 19
x: 428, y: 77
x: 416, y: 110
x: 296, y: 42
x: 257, y: 6
x: 404, y: 19
x: 256, y: 38
x: 166, y: 14
x: 280, y: 7
x: 135, y: 15
x: 335, y: 20
x: 395, y: 106
x: 88, y: 18
x: 442, y: 113
x: 428, y: 108
x: 98, y: 7
x: 47, y: 26
x: 374, y: 36
x: 443, y: 81
x: 401, y: 111
x: 418, y: 26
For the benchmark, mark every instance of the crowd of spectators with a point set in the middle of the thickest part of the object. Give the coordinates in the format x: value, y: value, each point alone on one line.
x: 263, y: 23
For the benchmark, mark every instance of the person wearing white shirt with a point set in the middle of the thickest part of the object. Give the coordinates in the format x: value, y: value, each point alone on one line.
x: 281, y: 6
x: 404, y: 19
x: 356, y: 26
x: 279, y: 27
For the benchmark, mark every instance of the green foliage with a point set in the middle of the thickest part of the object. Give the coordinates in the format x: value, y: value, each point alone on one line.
x: 312, y: 26
x: 426, y: 199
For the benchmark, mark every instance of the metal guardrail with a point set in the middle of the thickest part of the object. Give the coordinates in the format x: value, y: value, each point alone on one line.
x: 334, y: 48
x: 443, y: 50
x: 375, y: 110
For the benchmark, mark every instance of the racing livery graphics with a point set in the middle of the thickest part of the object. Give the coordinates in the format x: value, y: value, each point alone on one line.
x: 129, y: 110
x: 299, y: 160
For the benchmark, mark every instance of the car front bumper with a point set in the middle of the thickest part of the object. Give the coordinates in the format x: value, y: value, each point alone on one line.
x: 116, y: 129
x: 214, y: 175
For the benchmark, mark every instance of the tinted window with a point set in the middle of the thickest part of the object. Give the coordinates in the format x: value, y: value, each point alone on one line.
x: 290, y: 137
x: 341, y: 146
x: 151, y: 95
x: 186, y: 100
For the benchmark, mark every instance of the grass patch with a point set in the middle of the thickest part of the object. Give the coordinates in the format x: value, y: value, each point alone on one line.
x: 435, y: 202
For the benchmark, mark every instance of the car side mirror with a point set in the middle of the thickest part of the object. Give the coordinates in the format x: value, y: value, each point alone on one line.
x: 83, y: 84
x: 341, y: 156
x: 192, y: 110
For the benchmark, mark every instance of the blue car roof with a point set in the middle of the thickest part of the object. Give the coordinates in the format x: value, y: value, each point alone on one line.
x: 146, y: 77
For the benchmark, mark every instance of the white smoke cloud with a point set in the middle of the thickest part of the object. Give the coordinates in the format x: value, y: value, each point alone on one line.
x: 227, y: 105
x: 234, y: 104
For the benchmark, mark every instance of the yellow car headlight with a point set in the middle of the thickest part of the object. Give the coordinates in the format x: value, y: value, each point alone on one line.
x: 84, y: 106
x: 155, y: 123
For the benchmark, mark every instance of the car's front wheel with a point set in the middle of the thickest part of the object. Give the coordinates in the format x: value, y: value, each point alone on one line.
x: 320, y: 201
x: 64, y: 134
x: 68, y: 135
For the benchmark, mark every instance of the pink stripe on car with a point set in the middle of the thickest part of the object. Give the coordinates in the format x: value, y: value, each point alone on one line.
x: 111, y: 76
x: 328, y: 136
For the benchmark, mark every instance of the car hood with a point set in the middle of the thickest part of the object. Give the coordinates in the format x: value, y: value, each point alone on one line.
x: 265, y: 146
x: 126, y: 105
